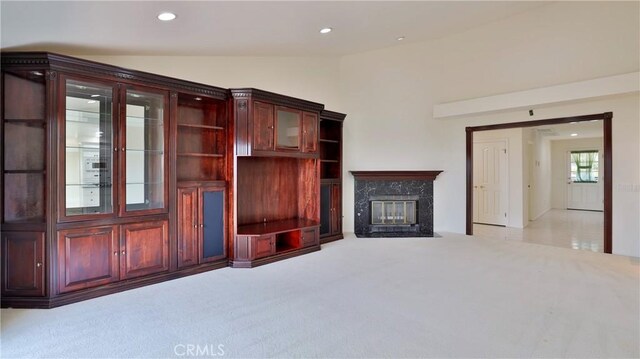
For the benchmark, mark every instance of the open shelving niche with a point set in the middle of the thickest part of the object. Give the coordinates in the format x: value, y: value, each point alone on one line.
x: 330, y: 149
x: 276, y: 197
x: 202, y: 137
x: 24, y: 137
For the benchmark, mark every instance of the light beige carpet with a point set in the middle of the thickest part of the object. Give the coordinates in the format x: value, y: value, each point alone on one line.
x: 453, y: 296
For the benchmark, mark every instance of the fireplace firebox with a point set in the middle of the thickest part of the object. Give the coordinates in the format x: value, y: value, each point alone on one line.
x: 394, y: 203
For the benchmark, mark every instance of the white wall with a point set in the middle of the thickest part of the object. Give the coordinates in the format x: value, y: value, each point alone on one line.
x: 559, y: 149
x: 515, y: 153
x: 389, y: 96
x: 310, y: 78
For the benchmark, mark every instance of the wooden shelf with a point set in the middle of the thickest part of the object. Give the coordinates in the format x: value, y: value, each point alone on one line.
x: 24, y: 171
x: 275, y: 227
x: 189, y: 125
x: 201, y: 155
x: 329, y: 141
x: 27, y: 120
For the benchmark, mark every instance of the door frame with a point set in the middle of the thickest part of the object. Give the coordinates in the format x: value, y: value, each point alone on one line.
x: 607, y: 182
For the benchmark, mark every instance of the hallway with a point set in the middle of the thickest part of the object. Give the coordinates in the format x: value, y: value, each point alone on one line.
x: 560, y: 228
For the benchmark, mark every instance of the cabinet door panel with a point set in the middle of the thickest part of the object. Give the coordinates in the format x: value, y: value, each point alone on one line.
x: 263, y: 127
x: 146, y: 249
x: 143, y: 141
x: 336, y: 205
x: 187, y: 227
x: 213, y: 243
x: 326, y: 211
x: 309, y: 132
x: 288, y: 129
x: 23, y: 264
x: 309, y: 237
x: 87, y: 155
x: 87, y: 258
x: 264, y: 246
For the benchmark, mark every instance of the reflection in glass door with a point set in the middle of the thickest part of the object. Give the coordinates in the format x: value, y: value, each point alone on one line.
x: 88, y: 148
x: 144, y: 149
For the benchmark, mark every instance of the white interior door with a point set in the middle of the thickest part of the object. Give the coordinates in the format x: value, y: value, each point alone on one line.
x: 584, y: 195
x: 490, y: 182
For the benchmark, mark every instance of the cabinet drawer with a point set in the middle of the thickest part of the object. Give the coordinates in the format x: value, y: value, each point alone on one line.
x: 263, y: 246
x: 309, y: 237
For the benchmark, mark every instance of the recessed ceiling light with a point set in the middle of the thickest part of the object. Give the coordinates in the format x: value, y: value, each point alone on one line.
x: 166, y: 16
x: 95, y: 95
x: 325, y: 30
x: 198, y: 98
x: 574, y: 134
x: 400, y: 38
x: 572, y: 123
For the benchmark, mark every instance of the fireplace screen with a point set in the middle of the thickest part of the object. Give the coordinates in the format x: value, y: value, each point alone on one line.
x: 393, y: 212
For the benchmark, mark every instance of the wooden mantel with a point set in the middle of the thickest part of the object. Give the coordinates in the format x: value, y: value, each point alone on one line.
x: 396, y: 175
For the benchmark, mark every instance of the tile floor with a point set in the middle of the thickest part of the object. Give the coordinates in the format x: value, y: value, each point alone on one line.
x: 561, y: 228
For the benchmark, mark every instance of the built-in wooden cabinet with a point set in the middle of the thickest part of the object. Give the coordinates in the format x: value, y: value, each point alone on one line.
x: 272, y: 125
x: 265, y: 242
x: 201, y: 225
x: 23, y: 264
x: 309, y: 132
x: 263, y: 127
x: 262, y: 246
x: 111, y: 179
x: 331, y: 175
x: 330, y: 208
x: 88, y: 257
x: 92, y: 158
x: 201, y: 138
x: 109, y: 164
x: 144, y: 249
x: 277, y: 177
x: 25, y: 127
x: 283, y: 129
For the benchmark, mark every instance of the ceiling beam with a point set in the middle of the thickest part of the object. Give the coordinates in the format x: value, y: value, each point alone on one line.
x: 575, y: 91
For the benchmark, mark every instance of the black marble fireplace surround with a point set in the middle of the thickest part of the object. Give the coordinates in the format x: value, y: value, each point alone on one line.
x: 390, y: 185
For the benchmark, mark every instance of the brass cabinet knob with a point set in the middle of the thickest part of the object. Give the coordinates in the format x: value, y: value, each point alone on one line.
x: 202, y: 226
x: 195, y: 226
x: 122, y: 252
x: 38, y: 264
x: 115, y: 253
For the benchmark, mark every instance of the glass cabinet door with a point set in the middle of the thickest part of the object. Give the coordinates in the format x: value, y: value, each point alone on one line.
x: 144, y: 151
x: 88, y: 146
x: 288, y: 129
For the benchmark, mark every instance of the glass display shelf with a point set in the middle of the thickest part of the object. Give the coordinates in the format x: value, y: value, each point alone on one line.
x: 143, y: 150
x: 194, y: 154
x: 209, y: 127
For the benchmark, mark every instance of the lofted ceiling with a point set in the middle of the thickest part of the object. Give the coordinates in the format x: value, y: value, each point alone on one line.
x: 238, y: 28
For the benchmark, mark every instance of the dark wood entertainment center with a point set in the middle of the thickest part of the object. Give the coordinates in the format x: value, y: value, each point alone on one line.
x: 114, y: 179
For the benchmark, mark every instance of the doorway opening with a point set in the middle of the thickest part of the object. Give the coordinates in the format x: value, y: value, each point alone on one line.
x: 587, y: 180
